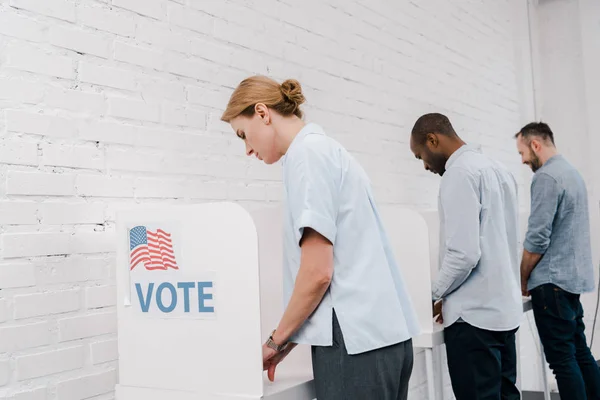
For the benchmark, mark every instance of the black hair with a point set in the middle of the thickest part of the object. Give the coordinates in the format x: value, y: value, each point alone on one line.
x: 536, y: 129
x: 431, y: 123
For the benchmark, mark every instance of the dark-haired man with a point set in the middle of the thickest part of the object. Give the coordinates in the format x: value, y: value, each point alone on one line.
x: 478, y: 279
x: 557, y: 262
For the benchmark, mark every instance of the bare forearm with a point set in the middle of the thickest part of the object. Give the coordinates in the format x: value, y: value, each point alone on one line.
x: 528, y: 263
x: 308, y: 293
x: 313, y: 279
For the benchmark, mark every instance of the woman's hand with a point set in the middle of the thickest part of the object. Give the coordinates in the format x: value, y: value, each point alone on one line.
x: 272, y: 358
x: 267, y: 353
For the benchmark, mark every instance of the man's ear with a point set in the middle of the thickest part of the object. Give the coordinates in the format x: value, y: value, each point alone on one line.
x: 433, y: 140
x: 536, y: 145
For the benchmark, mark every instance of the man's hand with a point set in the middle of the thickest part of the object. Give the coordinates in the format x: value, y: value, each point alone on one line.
x: 437, y: 312
x: 272, y: 358
x: 528, y: 263
x: 524, y: 290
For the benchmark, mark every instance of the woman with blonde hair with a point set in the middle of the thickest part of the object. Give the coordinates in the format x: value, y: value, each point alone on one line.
x: 343, y: 292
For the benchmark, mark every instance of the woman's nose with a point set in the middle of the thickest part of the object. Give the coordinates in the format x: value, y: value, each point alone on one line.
x: 249, y: 150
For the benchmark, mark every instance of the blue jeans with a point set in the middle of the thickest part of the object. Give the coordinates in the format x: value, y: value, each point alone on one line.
x: 482, y: 364
x: 559, y: 319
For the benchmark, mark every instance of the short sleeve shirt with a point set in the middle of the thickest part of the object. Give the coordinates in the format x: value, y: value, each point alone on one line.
x: 328, y: 191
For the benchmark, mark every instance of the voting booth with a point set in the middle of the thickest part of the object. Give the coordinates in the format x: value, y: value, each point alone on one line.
x: 414, y: 239
x: 199, y: 291
x: 200, y: 288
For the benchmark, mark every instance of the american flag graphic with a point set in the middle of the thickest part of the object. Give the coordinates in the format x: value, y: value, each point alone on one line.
x: 152, y: 249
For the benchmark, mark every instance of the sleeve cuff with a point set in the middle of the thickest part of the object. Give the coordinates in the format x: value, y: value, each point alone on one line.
x: 530, y: 247
x: 436, y: 293
x: 310, y: 219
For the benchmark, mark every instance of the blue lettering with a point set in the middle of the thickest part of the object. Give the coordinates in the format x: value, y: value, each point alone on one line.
x: 204, y: 296
x: 186, y: 286
x: 145, y: 304
x: 159, y: 303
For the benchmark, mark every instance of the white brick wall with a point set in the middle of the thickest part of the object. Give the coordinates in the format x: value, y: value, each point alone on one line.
x: 41, y: 304
x: 112, y: 102
x: 566, y: 52
x: 49, y: 362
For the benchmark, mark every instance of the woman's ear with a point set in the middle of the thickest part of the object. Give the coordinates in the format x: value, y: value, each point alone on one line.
x: 263, y: 112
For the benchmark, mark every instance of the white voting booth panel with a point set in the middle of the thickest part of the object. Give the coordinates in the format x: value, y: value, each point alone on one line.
x: 409, y: 238
x: 414, y: 240
x: 199, y: 290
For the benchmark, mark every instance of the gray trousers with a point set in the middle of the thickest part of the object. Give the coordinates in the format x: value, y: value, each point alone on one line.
x: 381, y: 374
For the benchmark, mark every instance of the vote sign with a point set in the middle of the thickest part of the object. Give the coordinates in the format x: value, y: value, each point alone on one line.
x: 162, y: 283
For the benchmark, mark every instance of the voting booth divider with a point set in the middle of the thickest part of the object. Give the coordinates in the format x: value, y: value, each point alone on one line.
x: 200, y: 288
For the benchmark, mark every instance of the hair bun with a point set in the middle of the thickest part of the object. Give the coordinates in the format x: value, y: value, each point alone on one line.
x: 292, y: 92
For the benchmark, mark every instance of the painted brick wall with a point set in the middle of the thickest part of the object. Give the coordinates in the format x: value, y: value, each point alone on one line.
x: 565, y: 44
x: 105, y: 103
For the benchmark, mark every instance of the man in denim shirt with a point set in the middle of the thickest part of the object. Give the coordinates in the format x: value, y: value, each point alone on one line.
x: 557, y: 262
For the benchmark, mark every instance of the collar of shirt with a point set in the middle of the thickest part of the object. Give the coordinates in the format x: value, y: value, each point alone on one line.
x: 308, y: 128
x: 552, y: 159
x: 462, y: 150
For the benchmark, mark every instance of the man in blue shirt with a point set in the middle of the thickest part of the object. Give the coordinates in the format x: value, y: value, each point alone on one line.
x: 557, y: 262
x: 478, y: 280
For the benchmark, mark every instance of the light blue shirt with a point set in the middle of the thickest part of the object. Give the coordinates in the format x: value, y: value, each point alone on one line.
x: 479, y: 277
x: 328, y: 191
x: 559, y: 228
